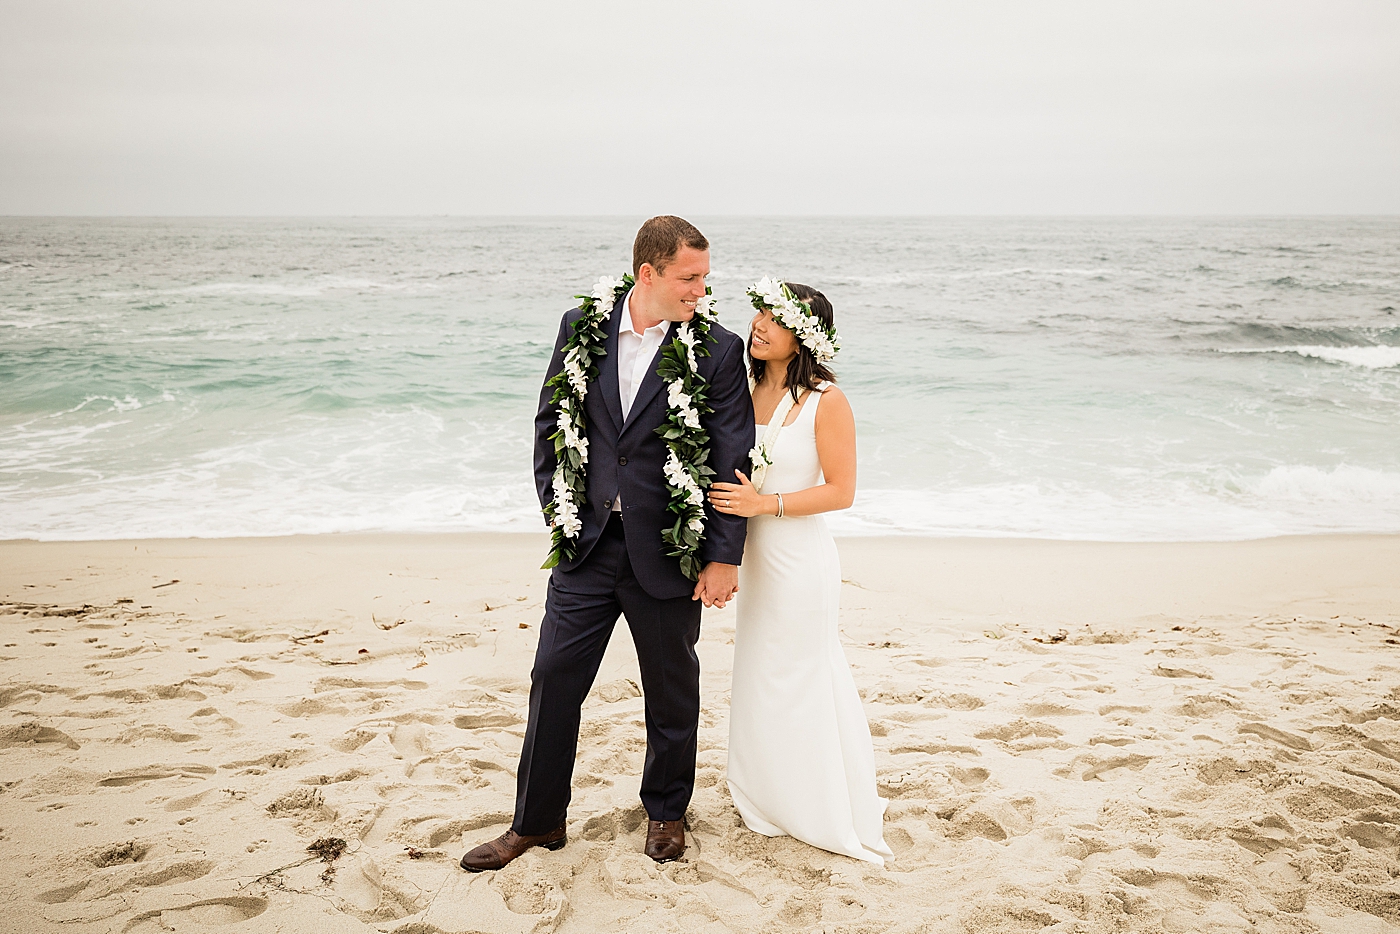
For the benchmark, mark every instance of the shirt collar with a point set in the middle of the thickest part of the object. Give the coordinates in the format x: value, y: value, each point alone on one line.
x: 625, y: 321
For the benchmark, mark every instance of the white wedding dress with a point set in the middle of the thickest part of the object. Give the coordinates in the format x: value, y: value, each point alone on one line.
x: 800, y: 758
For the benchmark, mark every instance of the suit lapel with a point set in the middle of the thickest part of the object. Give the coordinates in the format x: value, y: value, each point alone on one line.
x: 607, y: 370
x: 651, y: 382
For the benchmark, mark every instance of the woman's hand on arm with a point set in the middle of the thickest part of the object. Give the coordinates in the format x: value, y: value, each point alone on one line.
x: 742, y: 498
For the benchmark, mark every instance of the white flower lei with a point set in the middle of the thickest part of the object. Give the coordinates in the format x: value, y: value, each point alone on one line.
x: 687, y: 442
x: 795, y: 315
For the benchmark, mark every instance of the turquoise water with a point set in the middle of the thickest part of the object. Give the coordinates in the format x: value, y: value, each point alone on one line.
x: 1116, y: 379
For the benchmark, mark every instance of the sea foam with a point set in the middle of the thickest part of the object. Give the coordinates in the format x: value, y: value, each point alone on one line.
x: 1370, y: 358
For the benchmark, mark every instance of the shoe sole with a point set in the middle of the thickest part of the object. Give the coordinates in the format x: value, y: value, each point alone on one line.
x: 669, y: 859
x: 556, y: 845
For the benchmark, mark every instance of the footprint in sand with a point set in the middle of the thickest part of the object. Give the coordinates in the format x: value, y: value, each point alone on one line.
x: 630, y: 875
x: 1204, y: 706
x: 187, y: 802
x: 331, y: 684
x: 130, y: 851
x: 1219, y: 770
x: 996, y: 819
x: 972, y: 778
x: 614, y: 691
x: 197, y: 915
x: 32, y: 734
x: 1372, y: 835
x: 1381, y: 749
x: 61, y: 894
x: 1276, y: 735
x: 152, y: 731
x: 411, y: 740
x: 13, y: 693
x: 312, y: 707
x: 1384, y: 710
x: 933, y: 749
x: 610, y: 824
x: 1020, y: 728
x: 352, y: 741
x: 180, y: 691
x: 927, y: 782
x: 347, y: 775
x: 153, y: 773
x: 1050, y: 709
x: 1263, y: 835
x: 411, y: 830
x: 1173, y: 671
x: 209, y: 716
x: 284, y: 759
x: 1093, y: 768
x: 486, y: 719
x: 298, y: 801
x: 954, y: 701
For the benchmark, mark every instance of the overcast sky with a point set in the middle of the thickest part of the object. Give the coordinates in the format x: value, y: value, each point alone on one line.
x: 812, y: 107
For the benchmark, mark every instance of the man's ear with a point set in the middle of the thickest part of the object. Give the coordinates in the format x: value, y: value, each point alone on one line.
x: 647, y: 274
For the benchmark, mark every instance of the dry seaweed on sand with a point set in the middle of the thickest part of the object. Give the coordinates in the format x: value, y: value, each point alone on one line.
x: 329, y: 849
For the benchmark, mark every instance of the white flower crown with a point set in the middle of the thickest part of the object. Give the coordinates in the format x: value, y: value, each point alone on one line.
x: 795, y: 315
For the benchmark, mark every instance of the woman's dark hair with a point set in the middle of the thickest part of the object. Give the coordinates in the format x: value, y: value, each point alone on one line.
x: 803, y: 371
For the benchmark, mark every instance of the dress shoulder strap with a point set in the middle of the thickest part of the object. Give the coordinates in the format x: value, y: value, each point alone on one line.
x: 809, y: 410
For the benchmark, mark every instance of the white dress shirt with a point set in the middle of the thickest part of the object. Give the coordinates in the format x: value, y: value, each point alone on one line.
x: 634, y: 355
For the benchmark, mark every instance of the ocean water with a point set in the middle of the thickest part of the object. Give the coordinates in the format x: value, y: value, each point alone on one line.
x: 1109, y: 379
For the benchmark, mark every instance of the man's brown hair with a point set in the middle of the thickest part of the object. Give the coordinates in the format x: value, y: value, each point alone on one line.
x: 661, y: 238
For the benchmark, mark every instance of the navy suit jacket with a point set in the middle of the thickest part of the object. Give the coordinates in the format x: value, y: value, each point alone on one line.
x: 627, y: 456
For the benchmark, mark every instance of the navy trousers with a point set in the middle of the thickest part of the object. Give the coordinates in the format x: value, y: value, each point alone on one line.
x: 579, y: 614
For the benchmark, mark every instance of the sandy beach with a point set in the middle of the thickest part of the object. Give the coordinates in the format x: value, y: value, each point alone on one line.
x: 1072, y: 737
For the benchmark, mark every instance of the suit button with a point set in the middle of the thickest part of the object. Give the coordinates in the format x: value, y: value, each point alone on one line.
x: 622, y: 461
x: 607, y: 504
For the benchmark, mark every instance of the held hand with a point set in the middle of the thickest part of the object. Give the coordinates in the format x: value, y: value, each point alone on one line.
x: 737, y: 499
x: 717, y: 584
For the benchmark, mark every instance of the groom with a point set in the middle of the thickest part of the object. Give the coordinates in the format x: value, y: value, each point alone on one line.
x: 620, y: 564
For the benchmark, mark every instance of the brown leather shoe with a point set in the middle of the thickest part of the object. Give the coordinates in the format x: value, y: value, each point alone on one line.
x: 665, y: 840
x: 509, y: 845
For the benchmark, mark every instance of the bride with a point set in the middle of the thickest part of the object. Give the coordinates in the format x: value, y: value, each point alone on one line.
x: 800, y: 758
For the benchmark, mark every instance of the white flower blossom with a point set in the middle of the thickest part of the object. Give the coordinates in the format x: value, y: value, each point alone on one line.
x: 572, y: 439
x: 573, y: 368
x: 565, y: 512
x: 679, y: 400
x: 605, y: 291
x: 680, y: 479
x: 696, y: 524
x: 687, y: 337
x: 675, y: 472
